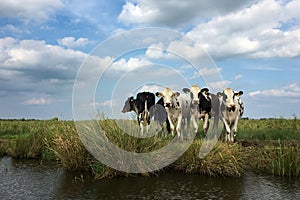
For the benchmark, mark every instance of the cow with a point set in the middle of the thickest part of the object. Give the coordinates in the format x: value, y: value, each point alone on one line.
x: 231, y: 111
x: 141, y: 106
x: 178, y: 109
x: 159, y: 114
x: 204, y: 105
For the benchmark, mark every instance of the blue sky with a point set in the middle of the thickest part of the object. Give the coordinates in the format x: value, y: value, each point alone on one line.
x: 254, y: 46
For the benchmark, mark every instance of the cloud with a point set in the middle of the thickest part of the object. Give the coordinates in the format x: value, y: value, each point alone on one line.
x: 130, y: 64
x: 176, y: 12
x: 239, y: 33
x: 238, y: 77
x: 11, y: 28
x: 264, y: 68
x: 218, y: 86
x: 38, y: 101
x: 183, y: 49
x: 29, y: 10
x: 292, y: 90
x: 151, y: 88
x: 32, y: 66
x: 207, y: 72
x: 72, y: 43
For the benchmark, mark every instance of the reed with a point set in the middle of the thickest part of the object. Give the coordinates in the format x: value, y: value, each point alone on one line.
x: 286, y: 161
x: 259, y: 149
x: 224, y: 160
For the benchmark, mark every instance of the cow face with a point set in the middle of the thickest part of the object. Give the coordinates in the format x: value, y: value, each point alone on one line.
x: 168, y: 96
x: 194, y: 92
x: 230, y: 98
x: 129, y: 105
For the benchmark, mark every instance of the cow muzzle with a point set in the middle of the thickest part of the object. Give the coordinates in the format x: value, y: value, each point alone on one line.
x: 231, y: 108
x: 167, y: 105
x: 195, y: 102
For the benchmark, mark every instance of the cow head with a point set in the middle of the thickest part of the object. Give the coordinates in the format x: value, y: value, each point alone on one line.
x: 129, y: 105
x: 230, y: 98
x: 169, y: 97
x: 194, y: 92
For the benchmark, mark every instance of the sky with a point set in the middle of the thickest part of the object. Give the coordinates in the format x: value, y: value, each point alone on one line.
x: 74, y: 59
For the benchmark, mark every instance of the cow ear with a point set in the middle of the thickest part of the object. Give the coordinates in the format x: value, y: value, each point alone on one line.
x: 176, y: 94
x: 130, y: 99
x: 204, y: 90
x: 158, y: 94
x: 186, y: 90
x: 240, y: 93
x: 219, y: 94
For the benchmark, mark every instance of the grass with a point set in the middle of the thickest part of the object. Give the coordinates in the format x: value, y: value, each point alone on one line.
x: 264, y: 146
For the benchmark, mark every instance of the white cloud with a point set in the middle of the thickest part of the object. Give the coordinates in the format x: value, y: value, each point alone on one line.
x: 33, y: 54
x: 183, y: 49
x: 292, y: 90
x: 238, y: 77
x: 38, y: 101
x: 107, y: 103
x: 175, y: 12
x: 151, y: 88
x: 72, y: 43
x: 218, y: 86
x: 11, y: 28
x: 31, y: 66
x: 28, y: 10
x: 130, y: 64
x: 155, y: 51
x: 203, y: 72
x: 256, y: 32
x: 264, y: 68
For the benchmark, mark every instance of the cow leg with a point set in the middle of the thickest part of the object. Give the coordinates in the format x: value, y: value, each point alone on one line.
x: 205, y: 124
x: 178, y: 129
x: 142, y: 128
x: 195, y: 123
x: 171, y: 126
x: 168, y: 126
x: 234, y: 130
x: 227, y: 129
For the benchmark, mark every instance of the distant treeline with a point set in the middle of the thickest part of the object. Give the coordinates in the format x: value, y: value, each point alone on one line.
x: 24, y: 119
x: 57, y: 119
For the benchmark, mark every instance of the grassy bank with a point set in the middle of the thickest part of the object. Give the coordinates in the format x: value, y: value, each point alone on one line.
x: 264, y: 146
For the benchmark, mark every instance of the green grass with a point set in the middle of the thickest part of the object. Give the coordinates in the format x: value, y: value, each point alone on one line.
x: 264, y: 146
x: 269, y: 129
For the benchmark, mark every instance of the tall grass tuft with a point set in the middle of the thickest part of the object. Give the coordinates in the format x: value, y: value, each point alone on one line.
x: 67, y: 147
x: 224, y: 160
x: 286, y: 161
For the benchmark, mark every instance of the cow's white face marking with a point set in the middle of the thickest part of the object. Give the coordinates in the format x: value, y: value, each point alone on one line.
x: 168, y: 97
x: 195, y: 94
x: 231, y: 98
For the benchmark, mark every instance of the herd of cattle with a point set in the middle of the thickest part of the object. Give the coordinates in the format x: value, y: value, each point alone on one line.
x: 194, y: 104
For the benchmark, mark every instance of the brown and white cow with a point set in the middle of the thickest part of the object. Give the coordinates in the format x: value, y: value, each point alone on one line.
x: 231, y: 111
x: 178, y: 109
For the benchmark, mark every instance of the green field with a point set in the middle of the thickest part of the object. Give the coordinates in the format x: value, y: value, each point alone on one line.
x: 263, y: 146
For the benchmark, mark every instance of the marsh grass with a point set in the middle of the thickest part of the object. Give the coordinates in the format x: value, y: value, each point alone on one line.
x: 58, y: 141
x: 224, y: 160
x: 286, y: 161
x: 269, y: 129
x: 131, y: 143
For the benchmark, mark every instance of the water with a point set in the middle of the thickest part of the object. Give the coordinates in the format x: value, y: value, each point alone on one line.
x: 28, y: 179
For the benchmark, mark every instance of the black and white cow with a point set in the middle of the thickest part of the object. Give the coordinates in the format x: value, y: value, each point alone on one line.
x: 159, y: 114
x: 141, y: 106
x: 203, y: 106
x: 231, y: 111
x: 178, y: 109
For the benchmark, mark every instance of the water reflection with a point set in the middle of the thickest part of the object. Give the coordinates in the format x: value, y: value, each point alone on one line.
x: 23, y: 179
